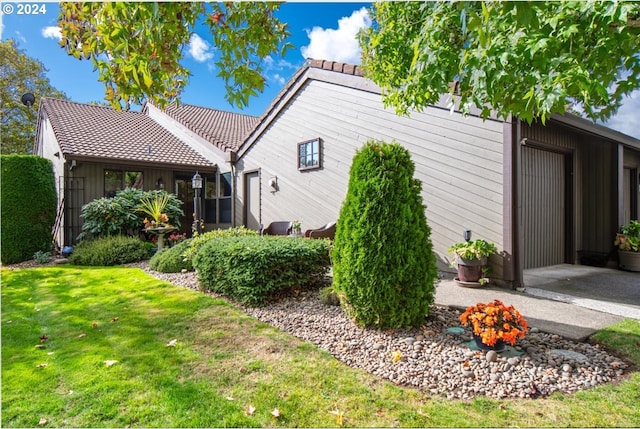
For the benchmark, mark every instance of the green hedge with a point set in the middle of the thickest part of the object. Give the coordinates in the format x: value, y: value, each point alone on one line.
x: 29, y: 199
x: 113, y: 250
x: 383, y: 263
x: 172, y: 259
x: 253, y: 269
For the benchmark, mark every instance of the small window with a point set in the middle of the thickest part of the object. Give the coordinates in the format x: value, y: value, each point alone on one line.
x: 117, y: 180
x: 309, y: 155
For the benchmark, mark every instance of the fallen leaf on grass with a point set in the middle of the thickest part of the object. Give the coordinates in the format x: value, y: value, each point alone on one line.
x: 42, y: 365
x: 39, y: 346
x: 275, y: 413
x: 82, y: 335
x: 109, y: 363
x: 115, y: 319
x: 94, y: 325
x: 43, y: 338
x: 50, y: 353
x: 339, y: 414
x: 42, y: 421
x: 172, y: 343
x: 249, y: 410
x: 230, y: 398
x: 70, y: 392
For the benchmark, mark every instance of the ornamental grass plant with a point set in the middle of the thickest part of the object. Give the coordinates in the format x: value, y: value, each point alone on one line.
x: 494, y: 322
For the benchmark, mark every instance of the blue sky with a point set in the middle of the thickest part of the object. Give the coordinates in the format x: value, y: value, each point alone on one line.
x: 323, y: 30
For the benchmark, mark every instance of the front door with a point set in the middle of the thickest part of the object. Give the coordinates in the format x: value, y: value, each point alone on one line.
x: 184, y: 192
x: 251, y: 214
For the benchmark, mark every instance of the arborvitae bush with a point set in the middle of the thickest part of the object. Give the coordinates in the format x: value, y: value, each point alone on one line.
x: 112, y: 250
x: 28, y: 195
x: 172, y: 259
x: 384, y: 268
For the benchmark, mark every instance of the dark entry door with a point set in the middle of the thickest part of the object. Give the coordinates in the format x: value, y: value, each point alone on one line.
x: 184, y: 192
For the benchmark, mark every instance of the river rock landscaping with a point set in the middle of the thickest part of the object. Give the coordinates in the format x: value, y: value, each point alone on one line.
x: 435, y: 358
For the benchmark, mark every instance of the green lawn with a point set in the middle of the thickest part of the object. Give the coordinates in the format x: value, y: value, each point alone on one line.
x: 224, y: 365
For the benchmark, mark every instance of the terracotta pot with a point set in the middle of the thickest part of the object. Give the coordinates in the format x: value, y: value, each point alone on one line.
x: 629, y: 261
x: 469, y: 273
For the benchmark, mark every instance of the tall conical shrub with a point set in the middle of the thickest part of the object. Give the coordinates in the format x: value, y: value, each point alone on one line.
x: 383, y: 262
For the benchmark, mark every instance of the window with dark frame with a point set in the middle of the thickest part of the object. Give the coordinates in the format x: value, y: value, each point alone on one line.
x: 117, y: 180
x: 309, y: 154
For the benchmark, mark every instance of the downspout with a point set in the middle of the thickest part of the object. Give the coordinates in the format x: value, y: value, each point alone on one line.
x: 512, y: 135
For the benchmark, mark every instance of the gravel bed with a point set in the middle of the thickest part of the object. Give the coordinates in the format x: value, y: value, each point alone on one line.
x: 431, y: 357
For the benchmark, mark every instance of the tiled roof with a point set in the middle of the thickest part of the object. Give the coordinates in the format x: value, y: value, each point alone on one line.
x: 85, y: 130
x: 226, y: 130
x: 334, y: 66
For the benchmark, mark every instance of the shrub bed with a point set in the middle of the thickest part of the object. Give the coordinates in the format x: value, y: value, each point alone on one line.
x: 253, y: 269
x: 113, y: 250
x: 172, y: 259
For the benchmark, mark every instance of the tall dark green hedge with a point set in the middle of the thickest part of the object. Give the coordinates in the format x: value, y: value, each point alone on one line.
x: 28, y: 192
x: 384, y: 267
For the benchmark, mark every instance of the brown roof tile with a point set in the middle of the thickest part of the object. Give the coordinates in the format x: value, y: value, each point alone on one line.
x: 93, y: 131
x: 225, y: 130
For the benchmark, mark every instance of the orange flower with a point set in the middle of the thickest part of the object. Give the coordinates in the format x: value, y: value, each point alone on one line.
x: 495, y: 321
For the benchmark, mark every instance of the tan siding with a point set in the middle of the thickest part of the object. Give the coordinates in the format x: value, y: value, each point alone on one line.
x: 459, y: 161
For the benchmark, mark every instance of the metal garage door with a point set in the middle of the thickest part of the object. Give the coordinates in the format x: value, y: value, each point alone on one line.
x: 543, y: 207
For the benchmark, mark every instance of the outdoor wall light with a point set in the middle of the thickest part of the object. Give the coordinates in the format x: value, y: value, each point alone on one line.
x: 273, y: 183
x: 159, y: 183
x: 467, y: 235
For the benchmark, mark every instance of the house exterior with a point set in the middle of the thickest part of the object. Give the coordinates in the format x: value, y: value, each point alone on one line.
x: 97, y: 151
x: 542, y: 193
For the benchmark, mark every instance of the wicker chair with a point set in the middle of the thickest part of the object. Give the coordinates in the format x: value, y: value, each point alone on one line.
x: 281, y: 227
x: 325, y: 231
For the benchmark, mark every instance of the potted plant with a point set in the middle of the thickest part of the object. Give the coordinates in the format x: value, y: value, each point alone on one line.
x: 494, y: 324
x: 470, y: 258
x: 628, y: 244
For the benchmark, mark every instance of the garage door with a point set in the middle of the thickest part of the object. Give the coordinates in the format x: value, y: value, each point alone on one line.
x: 543, y: 207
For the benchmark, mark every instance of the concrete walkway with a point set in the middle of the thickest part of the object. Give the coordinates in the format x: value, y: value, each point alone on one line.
x: 568, y: 300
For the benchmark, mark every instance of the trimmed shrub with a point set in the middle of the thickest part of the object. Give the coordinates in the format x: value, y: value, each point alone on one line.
x: 253, y: 269
x: 383, y: 263
x: 172, y: 259
x: 113, y: 250
x: 121, y: 215
x: 197, y: 241
x: 28, y: 195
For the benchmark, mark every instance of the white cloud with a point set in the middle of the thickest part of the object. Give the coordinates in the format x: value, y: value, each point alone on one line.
x: 628, y: 116
x: 339, y: 44
x: 52, y: 32
x: 199, y: 49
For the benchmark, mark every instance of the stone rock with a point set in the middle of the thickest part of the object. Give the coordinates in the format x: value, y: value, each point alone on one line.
x: 491, y: 356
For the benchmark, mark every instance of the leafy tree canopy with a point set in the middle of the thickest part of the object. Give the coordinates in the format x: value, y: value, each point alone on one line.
x: 529, y: 59
x: 20, y: 74
x: 137, y: 47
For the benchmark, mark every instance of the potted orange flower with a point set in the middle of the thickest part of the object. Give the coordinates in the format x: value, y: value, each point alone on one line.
x: 494, y: 324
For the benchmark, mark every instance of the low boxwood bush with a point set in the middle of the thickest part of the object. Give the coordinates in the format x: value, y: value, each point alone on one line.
x: 252, y: 269
x: 172, y: 259
x: 113, y: 250
x: 197, y: 241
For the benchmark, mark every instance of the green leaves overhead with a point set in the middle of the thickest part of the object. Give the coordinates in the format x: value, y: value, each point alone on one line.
x: 529, y: 59
x: 137, y: 47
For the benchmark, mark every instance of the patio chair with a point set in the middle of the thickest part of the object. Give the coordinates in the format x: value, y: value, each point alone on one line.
x: 281, y: 227
x: 325, y: 231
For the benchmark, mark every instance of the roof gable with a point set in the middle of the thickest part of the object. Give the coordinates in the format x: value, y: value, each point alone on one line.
x: 225, y: 130
x: 92, y: 131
